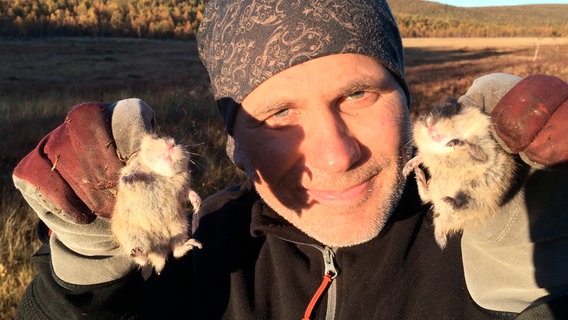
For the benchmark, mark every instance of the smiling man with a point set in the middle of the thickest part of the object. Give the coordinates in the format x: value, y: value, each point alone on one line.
x: 316, y: 106
x: 324, y: 143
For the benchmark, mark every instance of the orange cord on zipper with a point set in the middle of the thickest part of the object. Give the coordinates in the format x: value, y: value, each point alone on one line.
x: 323, y: 286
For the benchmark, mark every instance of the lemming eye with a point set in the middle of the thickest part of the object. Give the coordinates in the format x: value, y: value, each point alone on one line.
x: 454, y: 142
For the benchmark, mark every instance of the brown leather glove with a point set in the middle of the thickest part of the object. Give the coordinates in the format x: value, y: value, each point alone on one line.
x: 532, y: 120
x: 69, y: 180
x: 530, y: 115
x: 76, y: 165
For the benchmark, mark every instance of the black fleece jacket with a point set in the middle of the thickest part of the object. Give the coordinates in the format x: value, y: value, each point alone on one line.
x: 255, y: 265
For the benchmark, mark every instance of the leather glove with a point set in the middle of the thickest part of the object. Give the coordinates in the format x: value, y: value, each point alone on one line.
x: 532, y: 120
x: 520, y: 255
x: 69, y: 180
x: 529, y: 115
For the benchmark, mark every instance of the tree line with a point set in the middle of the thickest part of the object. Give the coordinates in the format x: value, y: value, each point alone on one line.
x: 180, y: 18
x: 116, y: 18
x: 412, y: 25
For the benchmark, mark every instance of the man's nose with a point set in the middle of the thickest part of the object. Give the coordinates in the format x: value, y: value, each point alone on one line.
x: 330, y: 146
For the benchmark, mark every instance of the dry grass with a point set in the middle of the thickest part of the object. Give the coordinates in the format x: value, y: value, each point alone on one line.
x: 41, y: 79
x: 17, y: 240
x: 436, y: 68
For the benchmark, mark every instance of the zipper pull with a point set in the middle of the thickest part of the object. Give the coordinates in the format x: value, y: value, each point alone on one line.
x: 329, y: 262
x: 330, y: 273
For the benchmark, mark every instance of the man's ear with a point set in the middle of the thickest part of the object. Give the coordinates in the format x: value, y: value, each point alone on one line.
x: 235, y: 152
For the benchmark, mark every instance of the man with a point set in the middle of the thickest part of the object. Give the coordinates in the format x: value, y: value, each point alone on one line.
x: 315, y: 102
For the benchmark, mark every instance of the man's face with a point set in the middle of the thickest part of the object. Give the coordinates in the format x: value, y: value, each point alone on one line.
x: 324, y: 143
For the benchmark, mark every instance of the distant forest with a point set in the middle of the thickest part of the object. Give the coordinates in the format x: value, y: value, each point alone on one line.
x: 419, y: 18
x: 112, y: 18
x: 419, y: 26
x: 179, y: 19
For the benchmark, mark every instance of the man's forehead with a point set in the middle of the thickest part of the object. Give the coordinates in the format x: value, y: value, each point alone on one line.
x: 331, y: 75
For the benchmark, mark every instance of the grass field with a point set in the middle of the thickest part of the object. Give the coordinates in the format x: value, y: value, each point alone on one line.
x: 41, y: 79
x: 438, y: 67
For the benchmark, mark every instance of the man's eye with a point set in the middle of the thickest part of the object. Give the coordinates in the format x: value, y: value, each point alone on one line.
x: 358, y: 100
x: 282, y: 113
x: 282, y: 118
x: 356, y: 95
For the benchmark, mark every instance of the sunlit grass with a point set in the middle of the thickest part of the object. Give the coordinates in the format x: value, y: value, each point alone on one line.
x: 18, y: 242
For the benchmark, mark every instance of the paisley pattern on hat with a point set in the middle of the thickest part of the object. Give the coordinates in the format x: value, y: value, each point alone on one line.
x: 243, y: 43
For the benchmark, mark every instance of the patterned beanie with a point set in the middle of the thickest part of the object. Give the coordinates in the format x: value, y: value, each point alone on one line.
x: 243, y: 43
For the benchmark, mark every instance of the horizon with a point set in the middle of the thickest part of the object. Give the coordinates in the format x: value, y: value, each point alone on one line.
x: 494, y: 3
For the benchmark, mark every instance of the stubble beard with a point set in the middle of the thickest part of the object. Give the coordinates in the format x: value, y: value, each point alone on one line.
x: 341, y: 232
x: 335, y: 227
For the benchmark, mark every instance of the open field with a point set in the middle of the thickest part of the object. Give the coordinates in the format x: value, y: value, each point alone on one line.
x: 41, y: 79
x: 438, y: 67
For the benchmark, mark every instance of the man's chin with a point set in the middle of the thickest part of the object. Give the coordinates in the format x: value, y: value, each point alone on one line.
x: 348, y: 226
x: 341, y: 229
x: 342, y: 236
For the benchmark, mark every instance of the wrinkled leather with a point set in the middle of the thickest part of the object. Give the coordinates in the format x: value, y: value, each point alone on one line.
x: 532, y: 120
x: 76, y: 165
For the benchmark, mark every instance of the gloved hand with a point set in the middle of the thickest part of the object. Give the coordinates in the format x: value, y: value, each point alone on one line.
x: 530, y: 115
x: 520, y: 255
x: 69, y: 180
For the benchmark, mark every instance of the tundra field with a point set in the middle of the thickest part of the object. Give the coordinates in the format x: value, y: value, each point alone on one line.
x: 41, y: 79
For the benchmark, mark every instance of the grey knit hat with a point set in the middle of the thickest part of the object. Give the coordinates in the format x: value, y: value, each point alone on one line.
x: 243, y: 43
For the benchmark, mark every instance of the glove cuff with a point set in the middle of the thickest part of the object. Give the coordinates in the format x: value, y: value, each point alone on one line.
x: 486, y: 91
x: 91, y: 255
x: 131, y: 119
x: 72, y: 268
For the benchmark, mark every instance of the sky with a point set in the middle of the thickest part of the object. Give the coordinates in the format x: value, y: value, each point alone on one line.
x: 487, y: 3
